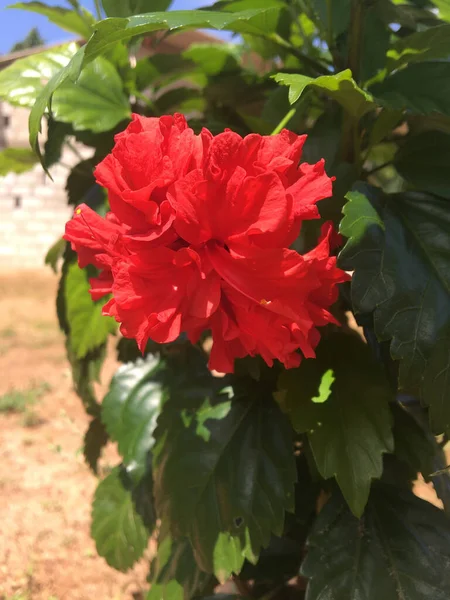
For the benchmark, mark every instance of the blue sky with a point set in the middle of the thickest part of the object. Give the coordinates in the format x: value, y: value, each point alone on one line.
x: 15, y: 24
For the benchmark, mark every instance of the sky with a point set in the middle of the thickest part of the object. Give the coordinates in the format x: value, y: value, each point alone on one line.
x: 15, y: 24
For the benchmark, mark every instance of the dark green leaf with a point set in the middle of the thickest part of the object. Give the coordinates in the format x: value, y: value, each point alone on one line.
x: 340, y: 87
x: 430, y: 44
x: 128, y: 8
x: 399, y: 253
x: 341, y: 400
x: 57, y: 133
x: 85, y: 371
x: 436, y: 385
x: 423, y: 161
x: 339, y: 13
x: 175, y: 574
x: 122, y: 518
x: 23, y: 80
x: 214, y: 58
x: 55, y: 253
x: 16, y: 160
x: 95, y: 439
x: 401, y: 90
x: 88, y: 327
x: 399, y: 550
x: 375, y: 43
x: 258, y: 22
x: 384, y: 124
x: 224, y: 476
x: 95, y: 102
x: 67, y: 19
x: 130, y: 409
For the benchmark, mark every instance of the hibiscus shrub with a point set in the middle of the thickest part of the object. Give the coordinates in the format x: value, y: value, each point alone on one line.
x: 263, y: 231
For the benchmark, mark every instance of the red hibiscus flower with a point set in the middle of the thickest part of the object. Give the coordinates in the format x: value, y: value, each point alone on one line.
x: 198, y: 239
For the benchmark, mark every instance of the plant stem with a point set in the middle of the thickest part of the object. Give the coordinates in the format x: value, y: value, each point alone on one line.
x: 350, y: 134
x: 284, y: 121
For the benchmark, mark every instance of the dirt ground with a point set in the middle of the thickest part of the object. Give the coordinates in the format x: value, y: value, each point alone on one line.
x: 46, y: 552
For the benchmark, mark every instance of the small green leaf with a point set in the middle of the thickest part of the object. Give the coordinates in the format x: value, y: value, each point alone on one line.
x: 122, y: 518
x: 67, y: 19
x: 399, y: 550
x: 16, y: 160
x: 88, y: 327
x: 85, y: 371
x: 175, y: 574
x: 399, y: 250
x: 401, y: 90
x: 130, y: 409
x: 430, y: 44
x: 238, y: 450
x: 95, y: 102
x: 95, y: 439
x: 354, y: 421
x: 423, y: 161
x: 23, y: 81
x: 55, y: 253
x: 128, y: 8
x: 326, y: 382
x: 340, y: 87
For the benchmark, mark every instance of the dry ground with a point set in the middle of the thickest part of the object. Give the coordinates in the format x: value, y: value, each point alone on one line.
x: 46, y: 552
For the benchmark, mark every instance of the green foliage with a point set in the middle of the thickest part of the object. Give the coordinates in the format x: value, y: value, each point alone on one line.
x: 122, y: 518
x: 88, y: 328
x: 23, y: 80
x: 16, y: 160
x: 398, y: 247
x: 95, y: 102
x: 31, y: 40
x: 79, y: 22
x: 399, y: 549
x: 341, y: 87
x: 351, y: 415
x: 130, y: 409
x: 244, y: 444
x: 235, y: 471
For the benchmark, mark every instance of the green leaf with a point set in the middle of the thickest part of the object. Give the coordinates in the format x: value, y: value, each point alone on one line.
x: 214, y: 58
x: 430, y: 44
x: 399, y: 252
x: 85, y: 371
x: 399, y: 550
x: 16, y: 160
x: 375, y: 43
x: 130, y: 409
x: 88, y: 327
x: 239, y: 451
x: 55, y: 253
x: 69, y: 20
x: 401, y: 90
x: 95, y: 102
x: 339, y: 13
x: 444, y: 8
x: 354, y: 421
x: 436, y: 385
x: 95, y: 439
x: 175, y: 574
x: 340, y: 87
x: 128, y: 8
x: 23, y: 81
x: 122, y: 518
x: 423, y: 161
x: 258, y: 22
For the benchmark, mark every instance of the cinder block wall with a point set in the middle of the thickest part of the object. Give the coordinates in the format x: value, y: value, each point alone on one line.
x: 33, y: 209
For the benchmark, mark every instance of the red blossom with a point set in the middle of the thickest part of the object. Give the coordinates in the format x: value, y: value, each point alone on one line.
x: 198, y: 239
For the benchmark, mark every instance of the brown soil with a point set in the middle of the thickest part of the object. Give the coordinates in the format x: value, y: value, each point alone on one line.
x: 46, y: 552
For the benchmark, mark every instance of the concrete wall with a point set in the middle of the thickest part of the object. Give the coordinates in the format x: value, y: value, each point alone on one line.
x: 33, y: 209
